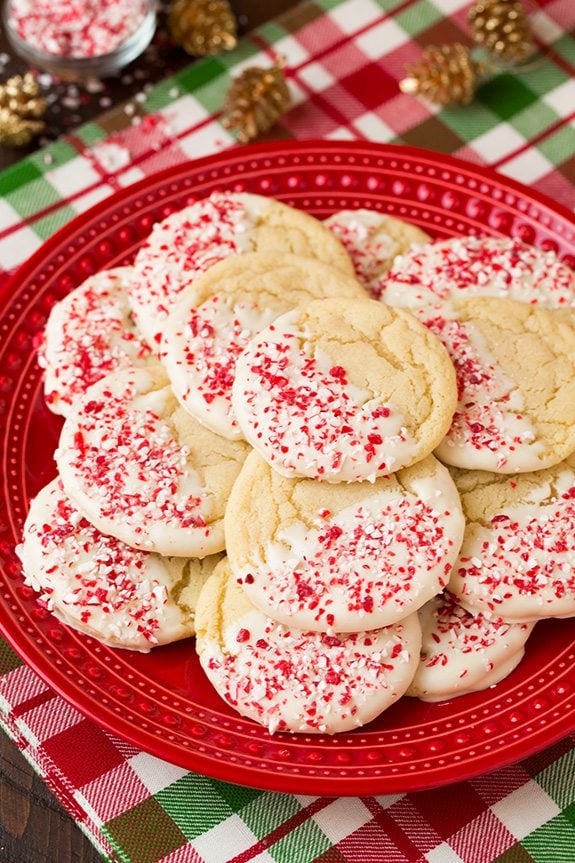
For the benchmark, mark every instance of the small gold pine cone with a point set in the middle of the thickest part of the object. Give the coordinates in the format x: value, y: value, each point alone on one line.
x: 21, y: 95
x: 255, y: 101
x: 502, y: 28
x: 202, y: 27
x: 17, y: 131
x: 445, y: 75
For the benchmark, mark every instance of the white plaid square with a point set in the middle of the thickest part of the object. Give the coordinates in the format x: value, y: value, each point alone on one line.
x: 525, y: 809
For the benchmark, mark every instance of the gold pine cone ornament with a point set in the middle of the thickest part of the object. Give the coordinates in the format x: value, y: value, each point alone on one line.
x: 202, y: 27
x: 255, y: 101
x: 502, y: 28
x: 445, y: 75
x: 21, y: 107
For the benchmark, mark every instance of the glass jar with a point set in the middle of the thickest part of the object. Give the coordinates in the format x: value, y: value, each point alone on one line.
x: 79, y: 39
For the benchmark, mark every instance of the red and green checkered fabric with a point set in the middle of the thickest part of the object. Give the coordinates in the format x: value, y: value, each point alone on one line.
x: 344, y: 59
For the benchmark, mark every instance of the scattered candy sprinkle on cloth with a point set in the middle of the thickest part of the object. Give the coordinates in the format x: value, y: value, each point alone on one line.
x: 344, y: 59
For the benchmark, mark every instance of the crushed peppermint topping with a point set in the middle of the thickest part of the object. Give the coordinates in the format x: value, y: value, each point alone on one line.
x: 369, y: 566
x: 302, y: 413
x: 289, y: 679
x: 88, y: 335
x: 491, y: 266
x: 519, y: 554
x: 127, y: 460
x: 201, y: 358
x: 108, y: 585
x: 83, y: 28
x: 183, y: 246
x: 367, y: 244
x: 488, y: 415
x: 456, y: 632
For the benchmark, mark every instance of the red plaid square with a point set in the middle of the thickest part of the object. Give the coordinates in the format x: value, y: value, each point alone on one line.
x: 450, y: 809
x: 83, y: 752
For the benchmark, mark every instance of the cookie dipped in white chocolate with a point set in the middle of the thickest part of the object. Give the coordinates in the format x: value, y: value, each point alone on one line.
x: 517, y: 560
x: 345, y: 557
x: 89, y: 334
x: 190, y: 241
x: 290, y: 680
x: 463, y: 652
x: 344, y: 390
x: 140, y: 468
x: 373, y: 240
x: 98, y: 585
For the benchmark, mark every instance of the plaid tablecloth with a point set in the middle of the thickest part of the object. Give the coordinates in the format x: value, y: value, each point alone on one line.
x: 343, y: 61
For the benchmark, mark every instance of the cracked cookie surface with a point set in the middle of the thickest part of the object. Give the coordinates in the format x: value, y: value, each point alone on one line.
x: 216, y: 316
x: 344, y: 390
x: 342, y: 557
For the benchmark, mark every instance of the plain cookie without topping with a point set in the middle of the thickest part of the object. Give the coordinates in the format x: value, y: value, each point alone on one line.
x: 89, y: 334
x: 373, y: 240
x: 463, y: 652
x: 488, y: 266
x: 517, y: 560
x: 290, y: 680
x: 140, y: 468
x: 215, y: 317
x: 190, y: 241
x: 515, y: 366
x: 346, y: 556
x: 100, y: 586
x: 344, y: 390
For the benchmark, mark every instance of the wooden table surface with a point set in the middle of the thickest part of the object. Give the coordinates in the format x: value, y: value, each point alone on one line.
x: 33, y: 826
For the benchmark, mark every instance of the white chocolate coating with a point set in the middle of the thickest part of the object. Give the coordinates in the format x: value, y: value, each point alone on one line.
x: 138, y: 467
x: 100, y: 586
x: 373, y: 241
x: 488, y: 266
x: 517, y: 560
x: 89, y: 334
x: 290, y: 680
x: 463, y: 652
x: 366, y: 566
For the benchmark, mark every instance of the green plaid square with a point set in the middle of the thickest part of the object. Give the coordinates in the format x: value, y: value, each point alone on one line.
x: 267, y: 812
x: 195, y: 804
x: 418, y: 17
x: 534, y: 119
x: 557, y: 780
x: 553, y: 842
x: 302, y: 844
x: 506, y: 95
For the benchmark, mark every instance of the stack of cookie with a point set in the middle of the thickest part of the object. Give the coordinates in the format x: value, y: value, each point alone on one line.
x: 273, y: 387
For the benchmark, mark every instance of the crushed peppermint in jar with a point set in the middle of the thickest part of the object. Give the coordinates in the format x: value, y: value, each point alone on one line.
x: 85, y: 28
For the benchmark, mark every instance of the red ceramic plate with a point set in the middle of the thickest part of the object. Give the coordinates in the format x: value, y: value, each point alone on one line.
x: 161, y: 701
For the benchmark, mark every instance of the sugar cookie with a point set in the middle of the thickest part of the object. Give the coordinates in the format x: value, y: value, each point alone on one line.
x: 215, y: 317
x: 343, y: 557
x: 463, y: 652
x: 189, y: 242
x: 140, y: 468
x: 517, y: 560
x: 100, y: 586
x: 290, y: 680
x: 373, y: 240
x: 515, y: 366
x: 89, y: 334
x: 489, y: 266
x: 344, y: 390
